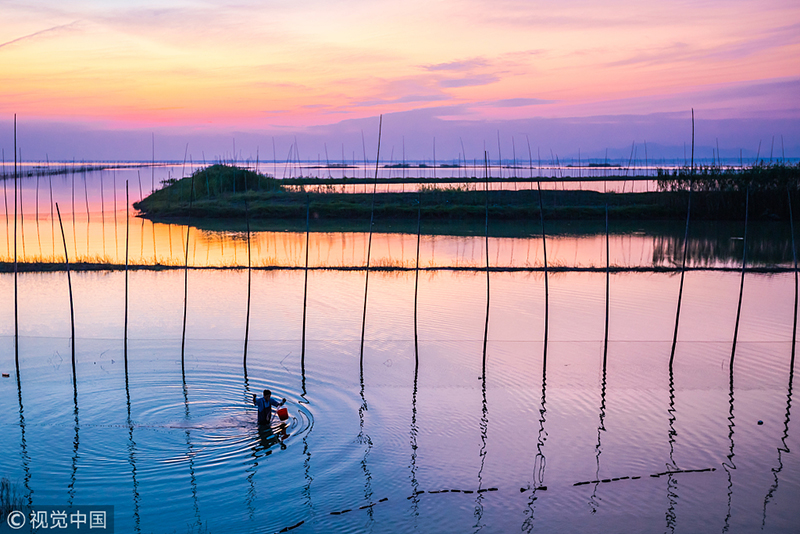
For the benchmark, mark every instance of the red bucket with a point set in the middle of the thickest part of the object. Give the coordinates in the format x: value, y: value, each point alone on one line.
x: 283, y: 414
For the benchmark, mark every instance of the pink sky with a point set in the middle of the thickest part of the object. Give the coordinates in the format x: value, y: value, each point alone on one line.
x: 212, y: 69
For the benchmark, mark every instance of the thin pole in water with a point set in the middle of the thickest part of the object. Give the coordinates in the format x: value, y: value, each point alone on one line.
x: 683, y: 273
x: 544, y: 251
x: 74, y: 225
x: 741, y: 285
x: 38, y: 235
x: 185, y: 296
x: 608, y: 283
x: 127, y: 237
x: 794, y: 257
x: 21, y: 209
x: 416, y: 275
x: 305, y: 296
x: 103, y: 213
x: 116, y: 241
x: 52, y: 217
x: 486, y: 235
x: 249, y: 279
x: 5, y: 198
x: 71, y: 304
x: 16, y: 294
x: 369, y: 242
x: 86, y: 197
x: 692, y: 161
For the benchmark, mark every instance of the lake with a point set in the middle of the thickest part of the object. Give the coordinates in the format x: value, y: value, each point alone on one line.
x: 458, y: 418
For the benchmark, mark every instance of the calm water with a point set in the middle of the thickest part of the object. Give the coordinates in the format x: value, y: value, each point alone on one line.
x: 437, y: 435
x: 174, y: 448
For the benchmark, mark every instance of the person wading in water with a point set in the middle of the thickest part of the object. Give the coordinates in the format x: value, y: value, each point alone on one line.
x: 264, y: 405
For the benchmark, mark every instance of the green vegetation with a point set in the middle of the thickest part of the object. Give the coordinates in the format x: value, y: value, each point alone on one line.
x: 223, y: 192
x: 760, y: 178
x: 213, y: 182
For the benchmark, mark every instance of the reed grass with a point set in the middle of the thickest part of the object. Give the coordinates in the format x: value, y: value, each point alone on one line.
x: 10, y: 498
x: 741, y: 287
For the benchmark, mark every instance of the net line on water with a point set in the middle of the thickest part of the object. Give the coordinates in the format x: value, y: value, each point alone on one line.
x: 92, y: 267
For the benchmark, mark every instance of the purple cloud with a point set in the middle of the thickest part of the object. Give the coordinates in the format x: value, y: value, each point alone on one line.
x: 470, y: 81
x: 466, y: 64
x: 519, y: 102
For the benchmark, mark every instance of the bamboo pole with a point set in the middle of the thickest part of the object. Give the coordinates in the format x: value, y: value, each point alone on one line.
x: 71, y: 304
x: 544, y: 251
x: 369, y: 242
x: 691, y: 169
x: 127, y: 239
x: 5, y: 198
x: 249, y: 276
x: 21, y: 211
x: 88, y: 225
x: 185, y: 296
x: 608, y: 283
x: 116, y: 240
x: 16, y: 290
x: 683, y: 273
x: 38, y: 235
x: 305, y: 294
x: 486, y: 236
x: 52, y: 217
x: 794, y: 257
x: 103, y: 212
x: 741, y: 284
x: 74, y: 225
x: 416, y: 276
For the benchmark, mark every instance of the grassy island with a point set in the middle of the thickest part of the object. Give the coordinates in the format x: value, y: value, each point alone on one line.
x: 230, y: 193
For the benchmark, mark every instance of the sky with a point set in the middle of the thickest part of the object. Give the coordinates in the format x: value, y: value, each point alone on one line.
x: 104, y: 79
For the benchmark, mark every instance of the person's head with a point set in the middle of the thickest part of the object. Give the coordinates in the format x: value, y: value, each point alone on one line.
x: 267, y: 394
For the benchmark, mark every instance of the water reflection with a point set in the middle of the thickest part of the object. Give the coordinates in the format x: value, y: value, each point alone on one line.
x: 593, y: 500
x: 672, y: 483
x: 539, y: 461
x: 190, y: 453
x: 729, y: 465
x: 23, y: 443
x: 131, y: 446
x: 565, y: 410
x: 784, y: 448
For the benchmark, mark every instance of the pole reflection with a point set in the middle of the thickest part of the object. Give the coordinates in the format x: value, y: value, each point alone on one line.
x: 729, y: 465
x: 484, y: 424
x: 75, y: 443
x: 364, y: 439
x: 414, y: 430
x: 540, y: 462
x: 26, y: 458
x: 594, y: 500
x: 132, y: 449
x: 190, y: 447
x: 672, y: 483
x: 784, y: 448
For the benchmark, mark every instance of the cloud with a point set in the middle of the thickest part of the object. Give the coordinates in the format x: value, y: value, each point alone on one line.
x: 40, y: 32
x: 464, y: 65
x: 469, y: 81
x: 519, y: 102
x: 402, y: 100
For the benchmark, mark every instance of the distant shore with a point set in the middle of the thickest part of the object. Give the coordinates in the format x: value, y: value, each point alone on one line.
x: 229, y: 193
